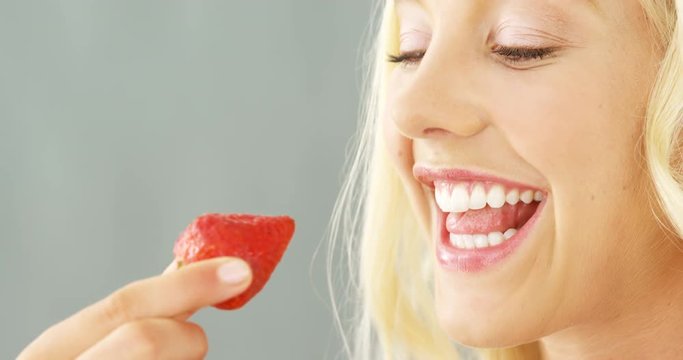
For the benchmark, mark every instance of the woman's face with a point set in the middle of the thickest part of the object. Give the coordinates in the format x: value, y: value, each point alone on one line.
x: 543, y: 97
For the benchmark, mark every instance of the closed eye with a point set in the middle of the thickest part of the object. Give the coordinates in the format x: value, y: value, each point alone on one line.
x: 510, y: 54
x: 516, y: 55
x: 407, y: 58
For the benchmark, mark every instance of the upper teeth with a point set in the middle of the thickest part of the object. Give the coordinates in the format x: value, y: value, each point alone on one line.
x: 463, y: 196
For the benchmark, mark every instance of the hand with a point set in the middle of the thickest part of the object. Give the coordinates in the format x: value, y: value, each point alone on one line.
x: 147, y: 318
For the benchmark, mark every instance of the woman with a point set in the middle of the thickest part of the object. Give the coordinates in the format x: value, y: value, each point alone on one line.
x: 519, y: 180
x: 523, y: 188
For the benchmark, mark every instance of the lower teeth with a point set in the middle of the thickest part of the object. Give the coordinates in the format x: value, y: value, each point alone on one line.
x: 471, y: 241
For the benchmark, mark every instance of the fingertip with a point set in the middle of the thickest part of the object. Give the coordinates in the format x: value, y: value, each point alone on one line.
x: 234, y: 271
x: 228, y: 269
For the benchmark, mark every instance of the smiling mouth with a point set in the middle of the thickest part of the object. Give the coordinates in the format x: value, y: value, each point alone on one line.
x: 481, y: 219
x: 483, y: 214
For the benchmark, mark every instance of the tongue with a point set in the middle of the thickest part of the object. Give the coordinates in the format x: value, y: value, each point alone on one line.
x: 489, y: 220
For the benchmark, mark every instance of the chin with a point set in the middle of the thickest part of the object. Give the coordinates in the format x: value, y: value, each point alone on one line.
x: 489, y: 336
x: 485, y: 331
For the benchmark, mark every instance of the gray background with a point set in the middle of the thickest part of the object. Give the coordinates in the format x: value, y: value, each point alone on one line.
x: 122, y: 120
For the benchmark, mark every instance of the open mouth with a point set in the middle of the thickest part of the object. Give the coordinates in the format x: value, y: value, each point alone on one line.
x: 481, y: 218
x: 481, y: 223
x: 480, y: 215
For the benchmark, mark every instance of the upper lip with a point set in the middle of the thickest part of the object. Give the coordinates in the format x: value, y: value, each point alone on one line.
x: 427, y: 175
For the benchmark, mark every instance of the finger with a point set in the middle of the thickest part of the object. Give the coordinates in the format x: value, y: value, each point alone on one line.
x: 158, y: 338
x: 198, y: 285
x: 173, y: 266
x: 186, y: 315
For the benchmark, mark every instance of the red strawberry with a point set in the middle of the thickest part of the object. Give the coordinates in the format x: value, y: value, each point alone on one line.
x: 259, y: 240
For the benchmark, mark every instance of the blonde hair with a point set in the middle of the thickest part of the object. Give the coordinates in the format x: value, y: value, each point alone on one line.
x: 388, y: 309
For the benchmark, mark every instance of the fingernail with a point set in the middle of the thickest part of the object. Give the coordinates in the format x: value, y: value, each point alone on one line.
x: 233, y: 272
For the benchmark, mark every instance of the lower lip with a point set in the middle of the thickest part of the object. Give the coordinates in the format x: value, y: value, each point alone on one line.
x: 477, y: 260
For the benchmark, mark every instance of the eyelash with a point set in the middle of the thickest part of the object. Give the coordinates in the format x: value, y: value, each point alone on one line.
x: 514, y: 55
x: 406, y: 58
x: 521, y: 54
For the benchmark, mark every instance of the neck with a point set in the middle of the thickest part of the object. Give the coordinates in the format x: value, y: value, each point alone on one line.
x: 646, y: 326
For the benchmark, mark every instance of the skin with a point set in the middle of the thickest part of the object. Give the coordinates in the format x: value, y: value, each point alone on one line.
x: 597, y: 278
x: 147, y: 319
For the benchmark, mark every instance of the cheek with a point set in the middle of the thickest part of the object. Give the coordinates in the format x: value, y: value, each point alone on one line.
x: 398, y: 147
x: 584, y: 140
x: 399, y: 150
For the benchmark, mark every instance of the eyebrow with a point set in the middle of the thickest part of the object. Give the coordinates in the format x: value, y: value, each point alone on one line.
x: 593, y: 4
x: 396, y: 2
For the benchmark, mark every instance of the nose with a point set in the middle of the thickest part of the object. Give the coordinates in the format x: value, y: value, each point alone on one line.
x: 438, y: 98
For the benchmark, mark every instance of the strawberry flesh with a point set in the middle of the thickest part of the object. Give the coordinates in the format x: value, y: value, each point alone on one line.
x: 259, y: 240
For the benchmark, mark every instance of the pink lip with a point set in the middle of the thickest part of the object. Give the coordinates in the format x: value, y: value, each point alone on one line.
x: 427, y: 176
x: 478, y: 259
x: 475, y: 260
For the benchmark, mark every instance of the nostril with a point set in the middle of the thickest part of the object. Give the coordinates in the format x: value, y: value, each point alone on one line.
x: 435, y: 132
